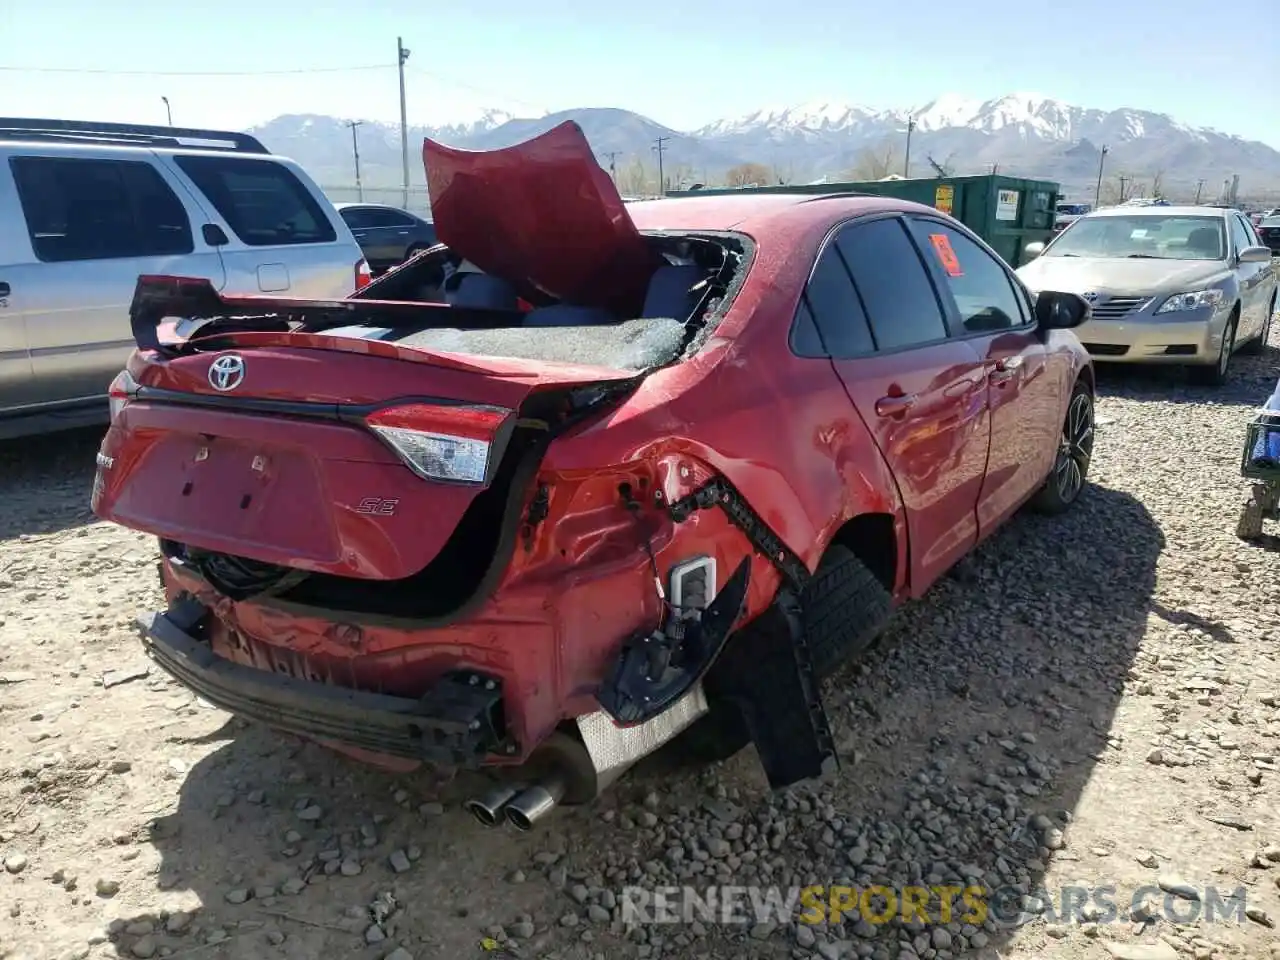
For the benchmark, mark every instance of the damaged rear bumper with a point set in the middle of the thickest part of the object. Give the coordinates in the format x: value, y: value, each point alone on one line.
x: 456, y: 723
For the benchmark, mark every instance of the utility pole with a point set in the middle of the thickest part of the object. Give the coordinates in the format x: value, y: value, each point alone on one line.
x: 402, y: 55
x: 659, y: 146
x: 906, y: 161
x: 355, y: 151
x: 1123, y: 181
x: 1199, y: 188
x: 613, y: 168
x: 168, y: 112
x: 1097, y: 190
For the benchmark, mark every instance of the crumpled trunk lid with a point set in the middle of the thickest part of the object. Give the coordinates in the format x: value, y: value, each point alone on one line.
x: 286, y: 470
x: 542, y: 213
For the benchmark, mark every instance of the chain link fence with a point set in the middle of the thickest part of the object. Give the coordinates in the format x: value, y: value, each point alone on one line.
x: 419, y: 200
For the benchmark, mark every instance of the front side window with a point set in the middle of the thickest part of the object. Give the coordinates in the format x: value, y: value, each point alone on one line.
x: 1143, y: 236
x: 980, y: 286
x: 389, y: 218
x: 81, y: 209
x: 261, y: 200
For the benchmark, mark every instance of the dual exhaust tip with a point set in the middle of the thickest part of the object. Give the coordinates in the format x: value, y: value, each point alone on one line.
x: 520, y: 808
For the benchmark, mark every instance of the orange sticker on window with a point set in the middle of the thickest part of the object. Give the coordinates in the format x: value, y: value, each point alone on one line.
x: 947, y: 256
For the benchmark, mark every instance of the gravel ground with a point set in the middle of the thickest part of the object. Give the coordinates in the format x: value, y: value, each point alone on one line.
x: 1088, y: 701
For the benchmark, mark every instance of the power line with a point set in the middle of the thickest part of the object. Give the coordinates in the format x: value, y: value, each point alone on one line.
x: 483, y: 91
x: 88, y: 71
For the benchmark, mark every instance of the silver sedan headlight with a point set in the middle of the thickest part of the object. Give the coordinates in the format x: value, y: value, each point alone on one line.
x: 1191, y: 300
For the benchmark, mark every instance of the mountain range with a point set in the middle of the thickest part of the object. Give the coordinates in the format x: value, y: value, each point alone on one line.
x: 1020, y: 134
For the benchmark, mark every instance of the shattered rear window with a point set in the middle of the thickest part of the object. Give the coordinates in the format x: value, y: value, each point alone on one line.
x: 632, y: 345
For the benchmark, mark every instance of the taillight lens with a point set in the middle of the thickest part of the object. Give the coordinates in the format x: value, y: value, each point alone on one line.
x: 364, y: 276
x: 123, y: 389
x: 442, y: 442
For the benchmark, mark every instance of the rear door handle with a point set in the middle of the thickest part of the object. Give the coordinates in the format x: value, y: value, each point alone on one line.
x: 895, y: 406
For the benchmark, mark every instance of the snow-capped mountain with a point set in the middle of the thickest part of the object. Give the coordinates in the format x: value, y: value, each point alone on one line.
x: 1025, y: 134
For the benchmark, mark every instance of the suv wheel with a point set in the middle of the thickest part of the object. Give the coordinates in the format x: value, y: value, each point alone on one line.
x: 1070, y: 470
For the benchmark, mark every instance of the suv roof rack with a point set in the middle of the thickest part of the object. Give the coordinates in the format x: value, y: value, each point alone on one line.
x: 127, y: 134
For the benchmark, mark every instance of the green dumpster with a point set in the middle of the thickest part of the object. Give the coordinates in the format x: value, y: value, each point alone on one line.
x: 1007, y: 212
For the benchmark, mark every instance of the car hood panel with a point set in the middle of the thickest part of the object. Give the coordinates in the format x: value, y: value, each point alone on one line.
x: 1119, y: 276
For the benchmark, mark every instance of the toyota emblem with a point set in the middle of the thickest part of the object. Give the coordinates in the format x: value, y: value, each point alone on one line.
x: 227, y: 372
x: 1091, y: 297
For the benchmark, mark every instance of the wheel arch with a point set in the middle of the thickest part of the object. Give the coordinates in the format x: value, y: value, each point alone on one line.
x: 879, y: 541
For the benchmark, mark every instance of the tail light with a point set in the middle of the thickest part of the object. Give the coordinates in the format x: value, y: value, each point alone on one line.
x: 364, y: 276
x: 123, y: 389
x: 439, y: 442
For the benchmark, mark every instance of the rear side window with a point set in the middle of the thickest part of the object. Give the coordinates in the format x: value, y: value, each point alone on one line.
x: 834, y: 306
x: 984, y: 294
x: 896, y: 292
x: 79, y: 209
x: 357, y: 218
x: 262, y: 201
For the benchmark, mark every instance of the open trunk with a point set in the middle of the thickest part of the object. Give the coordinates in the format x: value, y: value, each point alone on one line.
x: 376, y: 454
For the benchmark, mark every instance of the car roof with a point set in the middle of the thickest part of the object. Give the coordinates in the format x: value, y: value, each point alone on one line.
x: 1184, y: 210
x: 758, y: 209
x: 347, y: 205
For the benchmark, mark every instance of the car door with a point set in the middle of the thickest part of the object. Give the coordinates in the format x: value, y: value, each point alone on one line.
x: 921, y: 393
x: 988, y: 309
x: 360, y: 221
x: 280, y: 239
x: 1252, y: 278
x: 94, y: 225
x: 15, y: 256
x: 394, y: 232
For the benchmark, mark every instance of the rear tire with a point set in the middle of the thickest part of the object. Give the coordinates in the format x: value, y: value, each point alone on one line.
x: 1070, y: 473
x: 845, y: 607
x: 1216, y: 375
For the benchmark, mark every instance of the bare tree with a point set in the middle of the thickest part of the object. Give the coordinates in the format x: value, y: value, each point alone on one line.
x: 633, y: 179
x: 748, y: 175
x: 1157, y: 184
x: 876, y: 163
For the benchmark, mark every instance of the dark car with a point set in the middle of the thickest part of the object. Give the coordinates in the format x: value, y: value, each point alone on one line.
x: 645, y: 471
x: 387, y: 235
x: 1268, y: 230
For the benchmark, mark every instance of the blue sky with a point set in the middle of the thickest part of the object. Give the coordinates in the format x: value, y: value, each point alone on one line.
x: 681, y: 64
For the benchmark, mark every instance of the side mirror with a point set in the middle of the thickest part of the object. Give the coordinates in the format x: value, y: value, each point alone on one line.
x: 1060, y: 311
x: 1033, y: 250
x: 1255, y: 255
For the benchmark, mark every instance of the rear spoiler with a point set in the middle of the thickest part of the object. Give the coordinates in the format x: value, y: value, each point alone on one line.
x: 195, y: 299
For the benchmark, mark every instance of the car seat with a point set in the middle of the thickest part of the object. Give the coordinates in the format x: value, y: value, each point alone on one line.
x: 671, y: 293
x: 1206, y: 241
x: 479, y: 291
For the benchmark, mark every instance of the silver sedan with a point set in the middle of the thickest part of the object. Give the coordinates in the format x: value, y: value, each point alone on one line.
x: 1174, y: 285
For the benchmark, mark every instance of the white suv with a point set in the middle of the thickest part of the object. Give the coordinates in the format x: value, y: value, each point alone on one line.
x: 85, y: 208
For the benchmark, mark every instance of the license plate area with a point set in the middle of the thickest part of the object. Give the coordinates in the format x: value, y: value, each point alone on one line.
x: 240, y: 491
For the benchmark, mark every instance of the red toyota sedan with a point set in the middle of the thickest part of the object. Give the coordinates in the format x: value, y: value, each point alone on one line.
x: 585, y: 478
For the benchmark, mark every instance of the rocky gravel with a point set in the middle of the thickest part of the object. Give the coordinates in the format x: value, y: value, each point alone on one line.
x: 1088, y: 704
